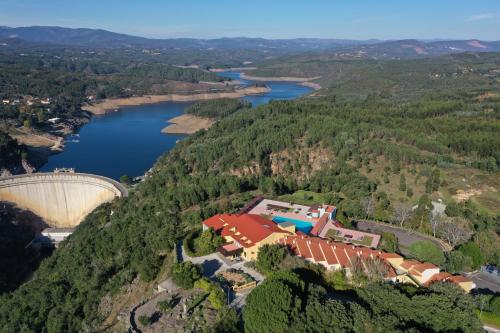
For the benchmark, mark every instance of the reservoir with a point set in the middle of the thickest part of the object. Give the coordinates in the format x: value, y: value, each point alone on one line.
x: 130, y: 140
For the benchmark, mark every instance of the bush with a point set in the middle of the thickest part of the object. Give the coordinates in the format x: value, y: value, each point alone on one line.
x: 472, y: 250
x: 427, y: 251
x: 144, y: 320
x: 270, y: 257
x: 495, y: 305
x: 389, y: 242
x: 199, y: 244
x: 216, y: 294
x: 456, y: 262
x: 166, y: 305
x: 337, y: 280
x: 185, y: 274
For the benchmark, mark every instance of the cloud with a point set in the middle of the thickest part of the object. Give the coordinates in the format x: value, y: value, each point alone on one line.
x: 482, y: 17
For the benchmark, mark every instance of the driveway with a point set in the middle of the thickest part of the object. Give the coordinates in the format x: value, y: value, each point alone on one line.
x: 215, y: 263
x: 485, y: 280
x: 405, y: 237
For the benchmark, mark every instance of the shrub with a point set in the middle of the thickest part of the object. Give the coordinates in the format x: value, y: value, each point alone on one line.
x: 457, y: 262
x: 270, y: 257
x: 337, y: 280
x: 495, y: 305
x: 389, y: 242
x: 185, y: 274
x: 472, y: 250
x: 144, y: 320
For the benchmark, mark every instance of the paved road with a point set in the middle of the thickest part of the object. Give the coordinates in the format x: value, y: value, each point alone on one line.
x: 405, y: 237
x: 486, y: 281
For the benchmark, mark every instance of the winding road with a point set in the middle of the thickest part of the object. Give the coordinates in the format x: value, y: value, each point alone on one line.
x: 405, y: 237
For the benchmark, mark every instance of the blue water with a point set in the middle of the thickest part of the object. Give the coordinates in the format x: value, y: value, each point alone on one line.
x: 303, y: 226
x: 130, y: 141
x: 279, y: 90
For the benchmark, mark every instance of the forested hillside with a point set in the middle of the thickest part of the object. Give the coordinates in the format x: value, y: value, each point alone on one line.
x: 348, y: 149
x: 69, y: 80
x: 217, y: 108
x: 397, y: 79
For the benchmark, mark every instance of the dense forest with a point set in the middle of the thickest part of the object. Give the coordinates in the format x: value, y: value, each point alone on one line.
x: 380, y: 136
x: 11, y: 152
x: 323, y: 144
x: 217, y: 108
x: 397, y: 79
x: 71, y: 79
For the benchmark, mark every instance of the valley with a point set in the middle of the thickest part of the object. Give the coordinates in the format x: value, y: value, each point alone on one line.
x: 350, y: 185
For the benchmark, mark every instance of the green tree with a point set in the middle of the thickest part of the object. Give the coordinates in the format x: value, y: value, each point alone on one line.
x: 208, y: 242
x: 457, y: 262
x: 125, y: 179
x: 270, y: 257
x: 274, y: 304
x: 389, y: 242
x: 144, y: 320
x: 402, y: 183
x: 337, y: 279
x: 185, y: 274
x: 495, y: 305
x: 473, y: 251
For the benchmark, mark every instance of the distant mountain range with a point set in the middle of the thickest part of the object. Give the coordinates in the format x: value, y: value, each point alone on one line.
x: 106, y: 39
x: 97, y: 38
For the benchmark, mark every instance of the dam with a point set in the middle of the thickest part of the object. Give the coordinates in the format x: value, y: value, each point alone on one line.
x: 62, y: 200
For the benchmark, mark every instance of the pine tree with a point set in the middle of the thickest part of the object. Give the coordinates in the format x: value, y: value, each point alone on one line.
x: 402, y: 183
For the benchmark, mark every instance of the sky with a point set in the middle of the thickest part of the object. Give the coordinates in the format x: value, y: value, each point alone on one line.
x: 350, y: 19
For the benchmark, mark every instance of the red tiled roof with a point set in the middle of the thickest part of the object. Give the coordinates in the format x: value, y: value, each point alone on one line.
x: 330, y: 209
x: 330, y: 257
x: 304, y: 251
x: 316, y: 251
x: 320, y: 250
x: 420, y: 268
x: 408, y: 264
x: 459, y: 279
x: 387, y: 255
x: 247, y: 229
x: 442, y: 276
x: 318, y: 227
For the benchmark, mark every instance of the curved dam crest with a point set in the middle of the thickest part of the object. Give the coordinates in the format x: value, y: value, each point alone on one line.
x: 61, y: 199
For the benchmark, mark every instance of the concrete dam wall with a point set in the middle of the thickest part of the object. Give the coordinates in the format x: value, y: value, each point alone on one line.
x: 61, y: 199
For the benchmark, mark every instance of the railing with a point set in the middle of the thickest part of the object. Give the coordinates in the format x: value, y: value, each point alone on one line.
x: 48, y: 177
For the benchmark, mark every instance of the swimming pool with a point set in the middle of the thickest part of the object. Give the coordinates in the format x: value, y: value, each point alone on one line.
x: 303, y: 226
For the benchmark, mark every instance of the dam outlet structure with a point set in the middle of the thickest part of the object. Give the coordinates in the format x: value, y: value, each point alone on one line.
x: 62, y: 200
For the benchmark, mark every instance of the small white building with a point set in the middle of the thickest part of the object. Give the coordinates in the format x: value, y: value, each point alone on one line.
x: 53, y: 236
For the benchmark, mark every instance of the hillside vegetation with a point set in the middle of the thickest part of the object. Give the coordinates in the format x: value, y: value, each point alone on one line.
x: 397, y: 79
x: 339, y: 146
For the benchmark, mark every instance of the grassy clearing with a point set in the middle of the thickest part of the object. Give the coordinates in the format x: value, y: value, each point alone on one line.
x: 489, y: 318
x: 481, y: 187
x: 303, y: 197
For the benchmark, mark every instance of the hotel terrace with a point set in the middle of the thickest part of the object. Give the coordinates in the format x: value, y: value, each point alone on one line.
x: 318, y: 220
x: 264, y: 221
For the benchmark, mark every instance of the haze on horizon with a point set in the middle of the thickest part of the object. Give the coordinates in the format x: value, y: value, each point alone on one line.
x: 364, y: 19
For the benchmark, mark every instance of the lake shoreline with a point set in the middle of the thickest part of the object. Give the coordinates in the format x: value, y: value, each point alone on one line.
x: 187, y: 124
x: 304, y: 81
x: 108, y: 105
